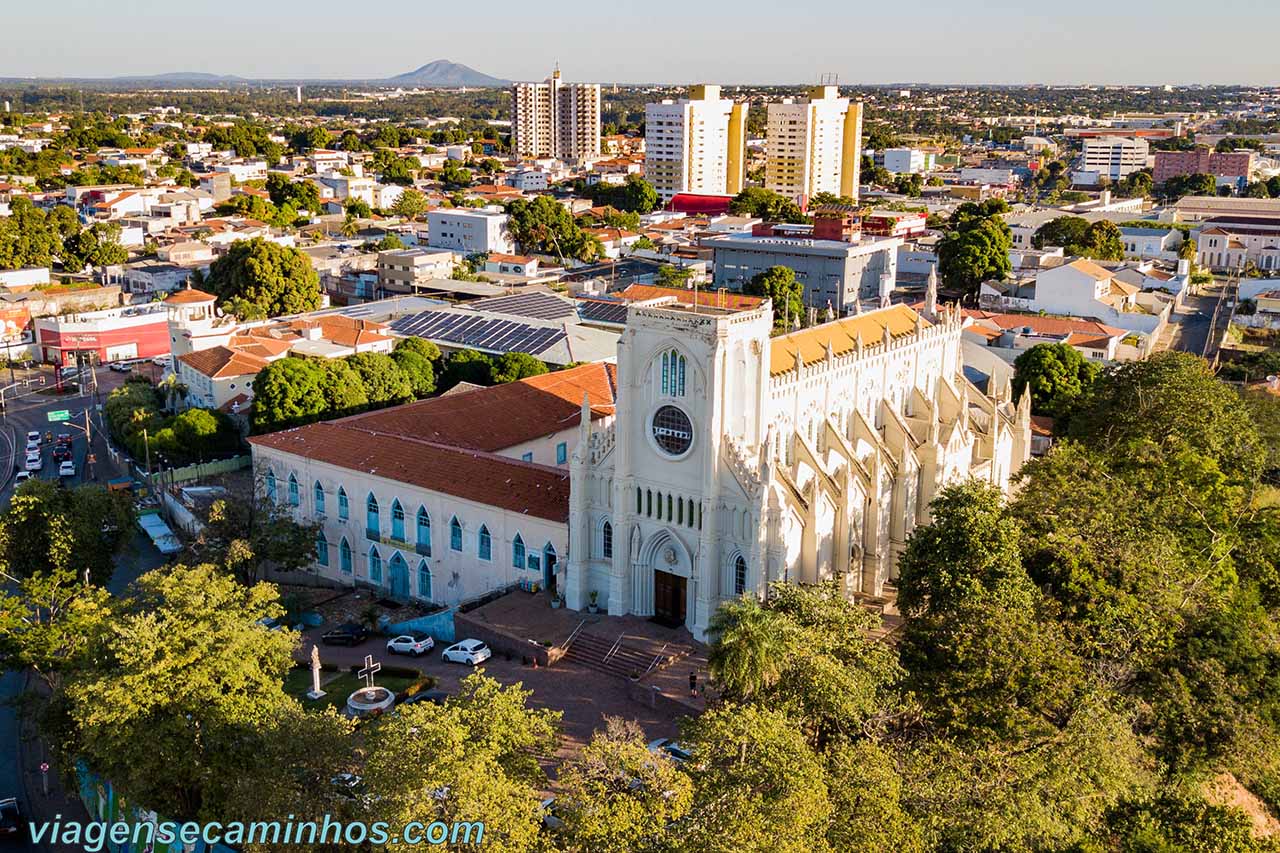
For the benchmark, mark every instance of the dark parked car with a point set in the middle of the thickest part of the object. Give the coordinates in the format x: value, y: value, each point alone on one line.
x: 436, y: 697
x: 10, y: 819
x: 61, y: 453
x: 350, y: 634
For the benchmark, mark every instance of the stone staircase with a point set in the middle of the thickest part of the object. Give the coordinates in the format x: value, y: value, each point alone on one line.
x: 631, y: 656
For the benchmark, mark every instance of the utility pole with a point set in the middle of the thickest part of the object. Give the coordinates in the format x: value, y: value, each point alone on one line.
x: 147, y: 443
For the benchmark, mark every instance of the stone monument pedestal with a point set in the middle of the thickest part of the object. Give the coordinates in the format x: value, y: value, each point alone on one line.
x: 368, y: 701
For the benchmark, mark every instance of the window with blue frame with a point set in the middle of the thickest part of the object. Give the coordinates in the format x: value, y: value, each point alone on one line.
x: 344, y: 556
x: 517, y: 552
x: 485, y: 547
x: 293, y: 491
x: 344, y: 506
x: 673, y: 374
x: 455, y: 534
x: 322, y: 548
x: 424, y: 580
x: 562, y: 453
x: 526, y: 457
x: 397, y: 521
x: 739, y: 576
x: 318, y: 497
x: 375, y: 567
x: 271, y: 485
x: 606, y: 540
x: 424, y: 532
x: 372, y: 521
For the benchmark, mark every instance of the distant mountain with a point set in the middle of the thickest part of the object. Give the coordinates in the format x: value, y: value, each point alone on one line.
x: 180, y: 77
x: 442, y: 72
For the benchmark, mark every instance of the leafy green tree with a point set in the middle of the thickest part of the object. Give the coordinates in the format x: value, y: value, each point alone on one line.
x: 301, y: 195
x: 543, y: 225
x: 95, y: 246
x: 343, y: 388
x: 247, y: 533
x: 475, y: 757
x: 1064, y: 231
x: 1178, y: 821
x: 47, y: 529
x: 869, y: 814
x: 288, y: 392
x: 389, y: 242
x: 358, y: 208
x: 454, y: 176
x: 185, y: 670
x: 419, y: 371
x: 1058, y: 376
x: 309, y: 139
x: 51, y: 622
x: 25, y: 238
x: 204, y: 432
x: 511, y: 366
x: 779, y: 285
x: 618, y: 796
x: 1182, y: 185
x: 767, y: 205
x: 1135, y: 185
x: 420, y: 346
x: 467, y: 366
x: 977, y: 250
x: 634, y: 194
x: 350, y: 141
x: 758, y: 785
x: 384, y: 382
x: 670, y: 275
x: 274, y: 279
x: 410, y: 204
x: 1187, y: 251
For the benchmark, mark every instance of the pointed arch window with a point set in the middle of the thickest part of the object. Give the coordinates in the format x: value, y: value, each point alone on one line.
x: 424, y: 580
x: 739, y: 576
x: 455, y: 534
x: 344, y: 505
x: 673, y: 374
x: 424, y: 532
x: 606, y: 540
x: 517, y: 552
x: 372, y: 520
x: 344, y: 556
x: 397, y: 521
x: 294, y: 498
x: 375, y: 566
x: 271, y: 485
x: 322, y: 548
x: 485, y: 544
x: 317, y: 496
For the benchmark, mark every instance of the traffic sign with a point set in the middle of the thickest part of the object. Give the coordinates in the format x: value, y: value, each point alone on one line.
x: 59, y: 416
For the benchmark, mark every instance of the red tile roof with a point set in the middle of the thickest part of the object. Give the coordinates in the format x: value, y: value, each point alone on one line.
x: 189, y: 296
x: 525, y: 487
x: 223, y: 362
x: 705, y: 298
x: 502, y: 416
x: 1047, y: 325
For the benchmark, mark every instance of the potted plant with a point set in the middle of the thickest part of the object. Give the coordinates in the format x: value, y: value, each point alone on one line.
x: 592, y: 608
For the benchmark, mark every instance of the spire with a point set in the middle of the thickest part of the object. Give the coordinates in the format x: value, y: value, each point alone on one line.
x: 857, y: 340
x: 1024, y: 407
x: 584, y: 420
x: 888, y: 336
x: 931, y: 295
x: 831, y: 314
x: 857, y: 307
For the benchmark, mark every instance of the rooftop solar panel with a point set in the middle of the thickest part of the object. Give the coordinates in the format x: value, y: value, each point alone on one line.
x: 487, y: 333
x: 538, y: 304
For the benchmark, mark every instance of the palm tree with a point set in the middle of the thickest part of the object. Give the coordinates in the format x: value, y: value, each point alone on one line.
x: 172, y: 390
x: 349, y: 226
x: 749, y: 648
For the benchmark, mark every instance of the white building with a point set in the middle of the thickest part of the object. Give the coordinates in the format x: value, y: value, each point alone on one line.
x: 696, y: 144
x: 910, y: 161
x: 469, y: 230
x: 1114, y: 157
x: 556, y: 119
x: 713, y: 460
x: 814, y: 145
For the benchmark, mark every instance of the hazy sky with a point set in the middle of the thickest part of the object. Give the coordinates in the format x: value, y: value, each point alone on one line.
x: 748, y: 41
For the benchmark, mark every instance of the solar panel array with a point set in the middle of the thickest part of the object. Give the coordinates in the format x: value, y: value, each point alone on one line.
x: 537, y: 304
x: 487, y: 333
x: 601, y: 311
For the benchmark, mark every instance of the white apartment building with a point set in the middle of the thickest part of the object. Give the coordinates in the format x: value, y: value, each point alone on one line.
x: 696, y: 144
x: 556, y: 119
x: 469, y: 230
x: 907, y: 161
x: 1114, y: 157
x: 814, y: 145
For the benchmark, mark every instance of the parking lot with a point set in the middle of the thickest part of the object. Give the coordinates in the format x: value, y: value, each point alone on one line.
x: 584, y: 696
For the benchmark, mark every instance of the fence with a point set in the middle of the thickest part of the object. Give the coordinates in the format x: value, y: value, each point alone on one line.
x: 439, y: 625
x: 199, y: 470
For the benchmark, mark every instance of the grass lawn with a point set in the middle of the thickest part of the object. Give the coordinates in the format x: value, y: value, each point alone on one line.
x: 338, y: 688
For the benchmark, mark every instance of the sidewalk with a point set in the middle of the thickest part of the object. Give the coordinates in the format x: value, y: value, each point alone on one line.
x: 59, y: 804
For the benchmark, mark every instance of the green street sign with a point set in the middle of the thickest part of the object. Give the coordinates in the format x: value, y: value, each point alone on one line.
x: 59, y: 416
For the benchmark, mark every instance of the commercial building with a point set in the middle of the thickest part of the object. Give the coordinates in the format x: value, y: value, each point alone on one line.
x: 838, y: 267
x: 696, y: 144
x: 1231, y: 242
x: 910, y: 161
x: 469, y: 230
x: 556, y: 119
x: 116, y: 334
x: 1114, y: 157
x: 1232, y: 165
x: 400, y: 270
x: 814, y: 145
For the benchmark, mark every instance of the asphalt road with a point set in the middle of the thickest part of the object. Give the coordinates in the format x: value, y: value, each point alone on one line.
x: 1188, y: 328
x: 26, y: 408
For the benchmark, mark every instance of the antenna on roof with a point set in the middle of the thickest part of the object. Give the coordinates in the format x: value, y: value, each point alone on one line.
x: 829, y: 78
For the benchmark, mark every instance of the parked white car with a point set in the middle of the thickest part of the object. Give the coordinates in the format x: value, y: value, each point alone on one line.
x: 35, y: 461
x: 20, y: 478
x: 67, y: 469
x: 470, y: 652
x: 413, y: 643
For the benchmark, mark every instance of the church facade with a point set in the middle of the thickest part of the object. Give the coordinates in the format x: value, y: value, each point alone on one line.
x: 736, y: 458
